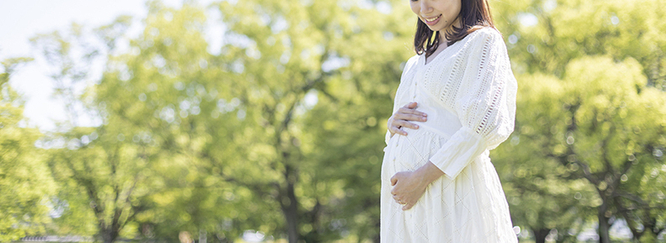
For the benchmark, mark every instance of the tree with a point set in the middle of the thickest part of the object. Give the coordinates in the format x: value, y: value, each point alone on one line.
x: 175, y: 92
x: 323, y: 157
x: 545, y: 35
x: 243, y: 123
x: 543, y: 194
x: 605, y: 134
x: 280, y: 130
x: 615, y: 132
x: 26, y: 186
x: 549, y: 37
x: 96, y: 163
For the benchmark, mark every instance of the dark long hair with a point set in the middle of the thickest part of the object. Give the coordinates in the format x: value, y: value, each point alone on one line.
x: 474, y: 14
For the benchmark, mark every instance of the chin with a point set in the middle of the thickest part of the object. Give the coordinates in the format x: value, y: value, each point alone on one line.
x: 435, y: 28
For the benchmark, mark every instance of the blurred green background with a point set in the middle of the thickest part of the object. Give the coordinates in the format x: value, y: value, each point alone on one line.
x: 278, y: 136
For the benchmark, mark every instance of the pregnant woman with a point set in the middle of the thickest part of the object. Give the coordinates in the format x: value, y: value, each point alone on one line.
x: 455, y: 102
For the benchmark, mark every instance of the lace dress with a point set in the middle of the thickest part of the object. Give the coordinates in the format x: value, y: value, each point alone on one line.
x: 469, y: 94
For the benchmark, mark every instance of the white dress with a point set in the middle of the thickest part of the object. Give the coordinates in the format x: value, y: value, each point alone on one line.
x: 469, y: 94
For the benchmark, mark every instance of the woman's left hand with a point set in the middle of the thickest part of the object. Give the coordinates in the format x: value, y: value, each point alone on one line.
x: 409, y: 186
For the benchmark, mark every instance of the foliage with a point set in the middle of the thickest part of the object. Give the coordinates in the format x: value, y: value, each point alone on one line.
x: 25, y: 182
x: 104, y: 178
x: 280, y: 130
x: 583, y: 113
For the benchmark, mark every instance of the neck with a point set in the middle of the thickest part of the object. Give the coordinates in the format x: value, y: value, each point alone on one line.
x: 442, y: 37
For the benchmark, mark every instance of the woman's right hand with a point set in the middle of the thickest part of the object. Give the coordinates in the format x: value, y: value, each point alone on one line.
x: 402, y: 117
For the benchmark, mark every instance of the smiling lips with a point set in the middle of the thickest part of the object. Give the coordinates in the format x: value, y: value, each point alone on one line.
x: 433, y: 20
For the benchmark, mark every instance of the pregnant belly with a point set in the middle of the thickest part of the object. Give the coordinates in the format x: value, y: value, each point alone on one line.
x: 408, y: 153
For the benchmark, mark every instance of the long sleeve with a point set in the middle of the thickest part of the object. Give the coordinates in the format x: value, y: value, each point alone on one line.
x: 485, y: 104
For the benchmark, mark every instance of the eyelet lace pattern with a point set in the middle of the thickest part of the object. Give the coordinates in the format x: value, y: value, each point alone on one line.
x: 474, y: 82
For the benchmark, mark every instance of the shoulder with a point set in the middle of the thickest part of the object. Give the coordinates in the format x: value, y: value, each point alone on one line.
x: 411, y: 62
x: 408, y: 66
x: 487, y: 33
x: 484, y: 36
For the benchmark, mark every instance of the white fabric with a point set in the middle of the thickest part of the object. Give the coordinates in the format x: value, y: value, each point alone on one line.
x: 469, y: 94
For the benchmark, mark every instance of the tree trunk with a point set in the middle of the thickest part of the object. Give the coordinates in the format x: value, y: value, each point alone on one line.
x: 108, y: 235
x: 604, y: 226
x: 540, y: 235
x: 289, y: 204
x: 291, y: 215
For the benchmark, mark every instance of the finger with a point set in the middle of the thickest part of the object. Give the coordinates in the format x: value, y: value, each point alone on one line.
x: 398, y: 200
x: 407, y: 124
x: 407, y: 110
x: 394, y: 180
x: 403, y: 111
x: 402, y: 132
x: 398, y: 117
x: 392, y: 129
x: 411, y: 105
x: 404, y: 123
x: 414, y: 112
x: 412, y: 117
x: 396, y: 129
